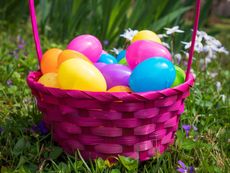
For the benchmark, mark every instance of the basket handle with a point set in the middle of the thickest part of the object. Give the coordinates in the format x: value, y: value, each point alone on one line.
x: 39, y: 50
x: 195, y: 29
x: 35, y: 30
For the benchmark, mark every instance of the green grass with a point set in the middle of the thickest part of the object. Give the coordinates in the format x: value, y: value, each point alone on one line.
x: 63, y: 20
x: 22, y: 150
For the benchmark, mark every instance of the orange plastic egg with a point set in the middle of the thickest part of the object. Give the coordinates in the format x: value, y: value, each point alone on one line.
x: 49, y: 80
x: 69, y: 54
x: 49, y: 60
x: 120, y: 88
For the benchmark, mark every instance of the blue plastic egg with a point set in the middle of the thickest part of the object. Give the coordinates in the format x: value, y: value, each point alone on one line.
x: 121, y: 55
x: 107, y: 59
x: 153, y: 74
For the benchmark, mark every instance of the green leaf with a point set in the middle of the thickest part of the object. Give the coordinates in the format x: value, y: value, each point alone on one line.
x: 5, y: 170
x: 188, y: 144
x: 115, y: 171
x: 100, y: 163
x: 128, y: 163
x: 21, y: 162
x: 55, y: 153
x: 169, y: 18
x: 20, y: 146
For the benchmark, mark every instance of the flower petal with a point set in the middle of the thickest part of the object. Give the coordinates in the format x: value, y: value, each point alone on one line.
x: 181, y: 170
x: 182, y: 164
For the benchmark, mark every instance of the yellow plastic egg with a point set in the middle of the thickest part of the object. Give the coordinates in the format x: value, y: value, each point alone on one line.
x: 49, y: 80
x: 120, y: 88
x: 69, y: 54
x: 78, y: 74
x: 146, y: 35
x: 49, y: 60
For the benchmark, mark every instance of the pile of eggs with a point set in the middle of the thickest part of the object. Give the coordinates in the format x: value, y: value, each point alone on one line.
x: 146, y: 65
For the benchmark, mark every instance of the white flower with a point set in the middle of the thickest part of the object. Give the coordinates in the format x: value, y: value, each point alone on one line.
x: 223, y: 97
x: 187, y: 55
x: 202, y: 35
x: 162, y: 35
x: 116, y: 51
x: 175, y: 29
x: 198, y: 45
x: 213, y: 74
x: 210, y: 55
x: 129, y: 34
x: 178, y: 57
x: 218, y: 86
x: 223, y: 50
x: 208, y: 45
x: 204, y: 62
x: 187, y: 45
x: 166, y: 45
x: 211, y: 43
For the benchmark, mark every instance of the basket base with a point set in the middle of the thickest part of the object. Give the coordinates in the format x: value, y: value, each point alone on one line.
x: 104, y: 124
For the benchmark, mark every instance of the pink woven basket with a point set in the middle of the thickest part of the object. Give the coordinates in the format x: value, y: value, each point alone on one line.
x: 105, y: 124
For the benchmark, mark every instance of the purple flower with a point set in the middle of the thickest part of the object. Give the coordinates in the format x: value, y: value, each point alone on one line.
x: 15, y: 53
x: 106, y: 42
x: 9, y: 82
x: 1, y: 129
x: 184, y: 169
x: 191, y: 169
x: 21, y: 42
x: 195, y: 128
x: 41, y: 128
x: 187, y: 129
x: 20, y: 46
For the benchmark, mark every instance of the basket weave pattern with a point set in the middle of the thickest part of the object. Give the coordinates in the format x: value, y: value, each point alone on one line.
x: 104, y: 124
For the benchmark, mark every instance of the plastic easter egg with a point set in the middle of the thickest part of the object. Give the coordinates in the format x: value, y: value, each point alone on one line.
x: 116, y: 74
x: 146, y: 35
x: 103, y: 52
x: 99, y: 65
x: 180, y: 76
x: 152, y: 74
x: 78, y: 74
x: 144, y: 49
x: 68, y: 54
x: 49, y: 60
x: 49, y: 80
x: 123, y: 61
x: 88, y: 45
x: 120, y: 88
x: 107, y: 59
x: 121, y: 55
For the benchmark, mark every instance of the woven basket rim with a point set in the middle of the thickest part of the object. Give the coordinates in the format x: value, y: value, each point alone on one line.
x: 33, y: 76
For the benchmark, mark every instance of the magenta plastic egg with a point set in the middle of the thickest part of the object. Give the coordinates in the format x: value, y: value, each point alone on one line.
x: 142, y: 50
x: 116, y: 74
x: 104, y: 52
x: 88, y: 45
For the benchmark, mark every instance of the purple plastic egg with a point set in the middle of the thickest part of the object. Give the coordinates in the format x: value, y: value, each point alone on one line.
x: 99, y: 65
x: 116, y: 74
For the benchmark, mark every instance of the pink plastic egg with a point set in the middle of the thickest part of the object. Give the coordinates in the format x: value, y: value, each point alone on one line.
x: 142, y: 50
x: 88, y: 45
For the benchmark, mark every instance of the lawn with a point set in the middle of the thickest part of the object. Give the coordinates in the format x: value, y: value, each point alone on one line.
x: 25, y: 146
